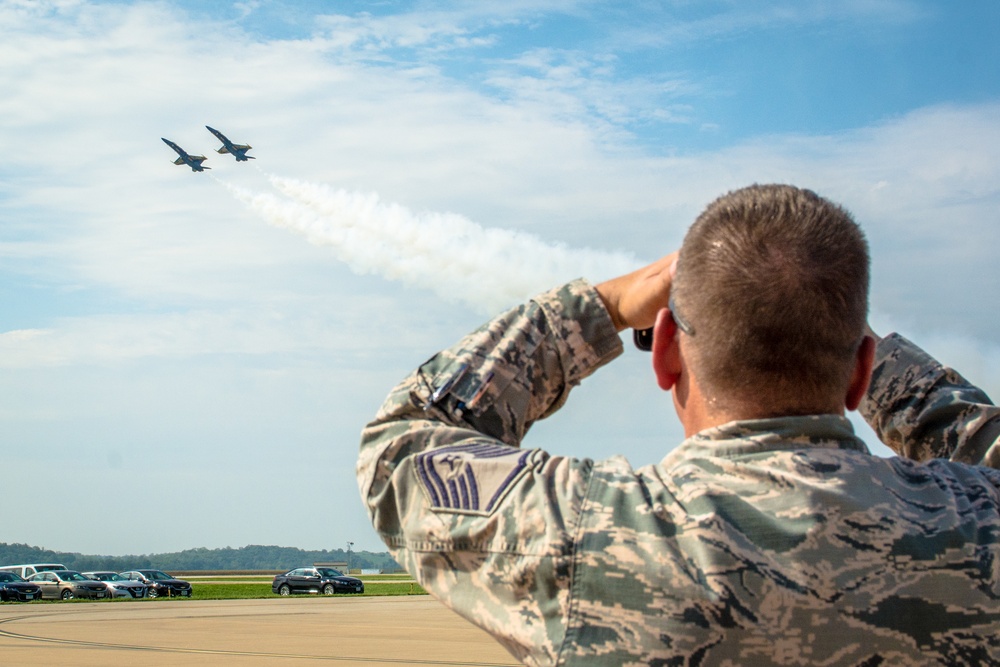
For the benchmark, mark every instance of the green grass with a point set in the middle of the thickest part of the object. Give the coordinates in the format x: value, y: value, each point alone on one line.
x: 234, y: 591
x: 245, y: 590
x: 256, y: 587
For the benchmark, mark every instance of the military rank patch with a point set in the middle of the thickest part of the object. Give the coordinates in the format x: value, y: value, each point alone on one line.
x: 470, y: 479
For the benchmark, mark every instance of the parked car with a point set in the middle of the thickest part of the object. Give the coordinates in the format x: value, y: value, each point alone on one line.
x: 160, y: 583
x: 26, y: 571
x: 325, y: 580
x: 68, y: 584
x: 118, y: 586
x: 14, y: 588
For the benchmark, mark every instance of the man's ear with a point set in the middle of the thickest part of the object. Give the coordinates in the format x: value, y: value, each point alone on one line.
x: 864, y: 361
x: 666, y: 353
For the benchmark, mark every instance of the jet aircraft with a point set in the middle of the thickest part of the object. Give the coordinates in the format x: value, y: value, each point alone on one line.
x: 239, y: 151
x: 193, y: 161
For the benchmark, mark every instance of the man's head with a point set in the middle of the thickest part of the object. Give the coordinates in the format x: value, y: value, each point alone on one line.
x: 774, y: 281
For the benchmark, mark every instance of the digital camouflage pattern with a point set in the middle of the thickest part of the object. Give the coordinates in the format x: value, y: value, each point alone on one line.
x: 779, y: 541
x: 924, y: 410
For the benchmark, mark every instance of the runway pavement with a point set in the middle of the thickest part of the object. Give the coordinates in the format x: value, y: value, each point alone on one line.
x: 371, y: 631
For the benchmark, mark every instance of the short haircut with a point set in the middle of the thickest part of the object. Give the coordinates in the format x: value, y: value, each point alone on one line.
x: 774, y: 280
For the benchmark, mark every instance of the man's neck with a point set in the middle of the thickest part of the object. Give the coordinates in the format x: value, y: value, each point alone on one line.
x: 698, y: 411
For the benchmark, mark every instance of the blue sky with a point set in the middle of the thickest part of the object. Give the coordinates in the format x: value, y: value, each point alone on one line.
x: 192, y: 356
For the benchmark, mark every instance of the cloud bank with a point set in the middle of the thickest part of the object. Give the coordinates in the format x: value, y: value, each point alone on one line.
x: 435, y: 167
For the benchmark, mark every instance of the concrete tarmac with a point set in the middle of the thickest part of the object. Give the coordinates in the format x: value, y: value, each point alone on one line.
x: 371, y: 631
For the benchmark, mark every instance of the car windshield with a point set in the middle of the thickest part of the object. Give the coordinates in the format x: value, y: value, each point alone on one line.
x: 330, y: 572
x: 69, y: 575
x: 10, y: 576
x: 156, y: 575
x: 108, y: 576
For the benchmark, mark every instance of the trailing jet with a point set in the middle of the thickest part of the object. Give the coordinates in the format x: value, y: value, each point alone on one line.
x: 239, y: 151
x: 193, y: 161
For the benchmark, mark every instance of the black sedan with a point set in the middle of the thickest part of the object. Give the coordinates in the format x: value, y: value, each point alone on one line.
x: 325, y: 580
x: 160, y: 583
x: 15, y: 588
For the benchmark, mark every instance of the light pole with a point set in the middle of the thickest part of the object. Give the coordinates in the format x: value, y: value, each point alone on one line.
x: 349, y: 545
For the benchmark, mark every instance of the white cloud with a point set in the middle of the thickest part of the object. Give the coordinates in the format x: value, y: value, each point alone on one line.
x: 449, y: 26
x: 203, y: 329
x: 574, y: 85
x: 130, y: 222
x: 681, y: 23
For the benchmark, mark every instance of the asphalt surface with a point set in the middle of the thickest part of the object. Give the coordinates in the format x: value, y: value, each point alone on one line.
x: 396, y: 631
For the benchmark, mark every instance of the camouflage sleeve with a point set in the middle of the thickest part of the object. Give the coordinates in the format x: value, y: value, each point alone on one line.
x: 485, y: 526
x: 924, y: 410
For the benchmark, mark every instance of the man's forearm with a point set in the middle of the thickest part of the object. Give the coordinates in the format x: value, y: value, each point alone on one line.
x: 924, y: 410
x: 493, y: 384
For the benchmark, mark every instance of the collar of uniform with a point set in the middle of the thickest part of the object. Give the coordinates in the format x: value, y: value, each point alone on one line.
x: 756, y: 436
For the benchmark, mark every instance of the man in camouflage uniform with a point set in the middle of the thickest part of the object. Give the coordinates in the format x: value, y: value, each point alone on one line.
x: 770, y: 536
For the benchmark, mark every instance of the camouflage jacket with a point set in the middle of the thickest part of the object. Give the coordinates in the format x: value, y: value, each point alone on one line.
x: 766, y: 542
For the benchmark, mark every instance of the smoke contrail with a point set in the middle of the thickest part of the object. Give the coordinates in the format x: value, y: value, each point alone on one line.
x: 456, y: 258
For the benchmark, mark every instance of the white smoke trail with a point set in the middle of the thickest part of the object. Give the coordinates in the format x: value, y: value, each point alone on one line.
x: 488, y: 269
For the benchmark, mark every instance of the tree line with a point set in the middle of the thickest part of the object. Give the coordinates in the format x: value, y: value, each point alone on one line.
x: 251, y: 557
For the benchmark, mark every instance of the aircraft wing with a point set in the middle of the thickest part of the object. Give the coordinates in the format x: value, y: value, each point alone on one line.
x: 177, y: 149
x: 234, y: 148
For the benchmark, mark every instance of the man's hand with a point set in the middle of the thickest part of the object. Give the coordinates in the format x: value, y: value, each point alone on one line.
x: 634, y: 299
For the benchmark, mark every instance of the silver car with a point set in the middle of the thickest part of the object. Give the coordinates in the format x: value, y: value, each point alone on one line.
x: 68, y: 584
x: 119, y: 586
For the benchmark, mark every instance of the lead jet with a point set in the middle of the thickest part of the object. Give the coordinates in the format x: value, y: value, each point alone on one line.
x: 239, y: 151
x: 193, y: 161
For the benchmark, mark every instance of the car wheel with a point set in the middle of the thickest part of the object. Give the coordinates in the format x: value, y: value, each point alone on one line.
x: 67, y: 594
x: 328, y: 589
x: 153, y: 593
x: 284, y: 590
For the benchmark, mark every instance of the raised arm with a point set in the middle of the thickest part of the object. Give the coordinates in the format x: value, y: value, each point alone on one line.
x: 924, y: 410
x: 467, y: 512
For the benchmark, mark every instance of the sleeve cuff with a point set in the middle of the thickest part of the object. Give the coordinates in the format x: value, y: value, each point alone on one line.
x: 899, y: 366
